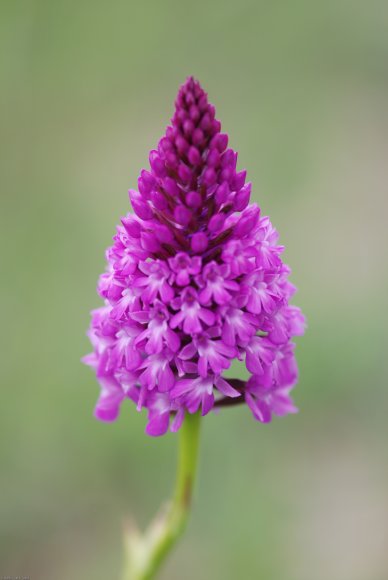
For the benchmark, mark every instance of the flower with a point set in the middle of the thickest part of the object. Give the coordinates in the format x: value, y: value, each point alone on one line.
x: 194, y: 281
x: 183, y: 266
x: 191, y: 316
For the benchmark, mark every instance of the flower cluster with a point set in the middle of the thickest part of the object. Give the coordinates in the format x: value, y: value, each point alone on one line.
x: 194, y: 281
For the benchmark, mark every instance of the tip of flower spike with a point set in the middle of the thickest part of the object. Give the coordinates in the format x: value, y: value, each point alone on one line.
x: 191, y: 86
x: 192, y: 179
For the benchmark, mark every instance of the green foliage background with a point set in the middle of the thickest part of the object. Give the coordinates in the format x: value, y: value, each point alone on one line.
x: 86, y: 90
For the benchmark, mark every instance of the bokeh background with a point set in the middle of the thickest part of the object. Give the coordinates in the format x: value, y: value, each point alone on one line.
x: 86, y: 90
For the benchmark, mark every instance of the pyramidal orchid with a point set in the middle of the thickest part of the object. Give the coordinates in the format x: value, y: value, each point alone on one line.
x: 194, y: 281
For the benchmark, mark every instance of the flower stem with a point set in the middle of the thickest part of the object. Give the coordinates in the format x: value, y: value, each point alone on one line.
x: 146, y: 552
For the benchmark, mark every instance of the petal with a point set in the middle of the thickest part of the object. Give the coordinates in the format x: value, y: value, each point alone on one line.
x: 221, y: 296
x: 182, y: 278
x: 166, y: 292
x: 226, y: 388
x: 260, y: 409
x: 207, y: 403
x: 202, y: 366
x: 166, y: 379
x: 228, y: 334
x: 207, y: 316
x: 253, y: 363
x: 172, y: 340
x: 182, y: 387
x: 108, y: 404
x: 192, y: 324
x: 176, y: 319
x: 188, y: 351
x: 158, y: 424
x: 178, y: 419
x: 141, y: 316
x: 205, y: 296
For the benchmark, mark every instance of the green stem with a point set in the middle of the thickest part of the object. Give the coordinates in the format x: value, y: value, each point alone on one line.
x: 146, y: 553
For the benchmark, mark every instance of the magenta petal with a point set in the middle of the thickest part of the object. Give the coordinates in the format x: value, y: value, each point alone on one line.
x: 166, y: 293
x: 108, y: 404
x: 207, y: 403
x: 172, y: 340
x: 181, y: 387
x: 229, y: 334
x: 207, y: 316
x: 107, y: 414
x: 176, y: 319
x: 260, y: 409
x: 158, y: 425
x: 202, y: 366
x: 166, y: 379
x: 253, y: 363
x: 178, y: 419
x: 188, y: 351
x: 226, y: 388
x: 192, y: 325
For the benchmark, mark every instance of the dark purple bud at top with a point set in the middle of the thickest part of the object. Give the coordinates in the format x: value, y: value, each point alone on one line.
x: 188, y: 127
x: 171, y: 187
x: 157, y: 164
x: 206, y: 122
x: 239, y: 180
x: 247, y: 222
x: 242, y: 198
x: 159, y: 200
x: 199, y: 242
x: 146, y: 183
x: 149, y: 242
x: 216, y: 223
x: 220, y: 142
x: 229, y: 159
x: 172, y: 160
x: 216, y: 127
x: 194, y: 113
x: 184, y: 173
x: 140, y: 207
x: 181, y: 144
x: 194, y: 156
x: 182, y: 215
x: 163, y: 234
x: 198, y: 137
x: 209, y: 177
x: 132, y: 226
x: 213, y: 159
x: 222, y: 193
x: 164, y: 145
x: 193, y: 199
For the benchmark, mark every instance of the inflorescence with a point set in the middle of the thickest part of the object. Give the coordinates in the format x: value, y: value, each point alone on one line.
x: 194, y: 281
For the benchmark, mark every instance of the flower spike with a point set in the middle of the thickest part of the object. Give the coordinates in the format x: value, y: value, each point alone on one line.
x: 194, y: 280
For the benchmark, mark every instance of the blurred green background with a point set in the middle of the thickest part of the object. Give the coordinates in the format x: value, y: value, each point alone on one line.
x: 86, y: 90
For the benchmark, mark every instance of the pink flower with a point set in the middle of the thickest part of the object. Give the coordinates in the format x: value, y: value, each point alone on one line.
x: 212, y: 353
x: 157, y: 334
x: 259, y: 354
x: 191, y: 316
x: 199, y: 392
x: 157, y: 372
x: 155, y: 282
x: 264, y: 400
x: 215, y: 284
x: 262, y: 296
x: 184, y: 267
x: 238, y: 325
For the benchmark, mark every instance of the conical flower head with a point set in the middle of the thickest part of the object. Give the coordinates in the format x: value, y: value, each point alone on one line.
x: 194, y: 280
